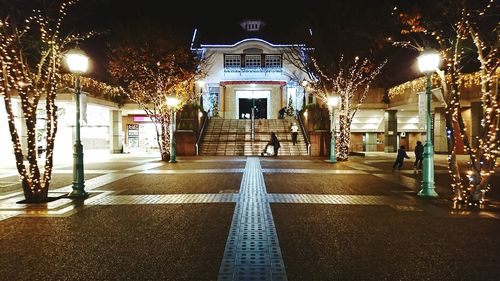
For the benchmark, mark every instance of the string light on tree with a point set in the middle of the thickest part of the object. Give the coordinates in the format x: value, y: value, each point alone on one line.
x: 23, y: 83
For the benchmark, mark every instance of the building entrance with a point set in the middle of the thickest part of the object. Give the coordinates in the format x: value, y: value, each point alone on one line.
x: 246, y: 105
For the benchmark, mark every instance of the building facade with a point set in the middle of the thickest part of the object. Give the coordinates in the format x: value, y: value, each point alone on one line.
x: 250, y: 72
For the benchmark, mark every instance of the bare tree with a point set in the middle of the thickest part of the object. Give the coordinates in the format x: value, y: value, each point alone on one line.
x: 30, y: 70
x: 350, y: 81
x: 149, y: 72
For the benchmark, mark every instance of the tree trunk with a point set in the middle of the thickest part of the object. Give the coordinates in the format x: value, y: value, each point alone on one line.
x: 344, y: 137
x: 164, y: 140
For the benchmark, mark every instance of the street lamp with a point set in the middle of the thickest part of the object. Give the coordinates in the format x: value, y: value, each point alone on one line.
x: 77, y: 62
x: 333, y: 102
x: 428, y: 62
x: 201, y: 84
x: 172, y: 103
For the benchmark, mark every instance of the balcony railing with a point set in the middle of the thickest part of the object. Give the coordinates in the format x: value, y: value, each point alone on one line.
x: 253, y: 69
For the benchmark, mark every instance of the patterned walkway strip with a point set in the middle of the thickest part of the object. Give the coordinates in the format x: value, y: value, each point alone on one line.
x: 194, y: 171
x: 334, y: 199
x: 163, y: 199
x: 312, y: 171
x: 252, y: 250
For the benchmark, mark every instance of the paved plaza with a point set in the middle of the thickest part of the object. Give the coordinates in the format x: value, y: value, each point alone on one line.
x: 246, y: 218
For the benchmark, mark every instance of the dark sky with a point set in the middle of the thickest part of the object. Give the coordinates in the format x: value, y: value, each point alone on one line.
x: 352, y: 27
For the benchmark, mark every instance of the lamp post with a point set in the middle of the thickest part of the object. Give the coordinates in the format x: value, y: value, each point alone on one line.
x: 201, y: 84
x: 77, y: 62
x: 428, y: 62
x: 333, y: 102
x: 172, y: 102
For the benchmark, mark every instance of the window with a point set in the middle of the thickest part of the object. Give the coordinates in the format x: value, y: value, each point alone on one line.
x: 252, y: 61
x: 232, y: 61
x: 273, y: 61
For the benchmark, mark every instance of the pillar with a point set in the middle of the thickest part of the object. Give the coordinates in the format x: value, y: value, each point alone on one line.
x: 440, y: 139
x: 391, y: 131
x: 475, y: 124
x: 115, y: 137
x: 222, y: 102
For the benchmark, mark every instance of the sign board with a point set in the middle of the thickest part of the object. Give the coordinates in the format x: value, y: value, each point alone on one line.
x: 133, y: 135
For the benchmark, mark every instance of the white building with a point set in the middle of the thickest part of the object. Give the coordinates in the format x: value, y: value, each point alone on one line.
x: 249, y: 71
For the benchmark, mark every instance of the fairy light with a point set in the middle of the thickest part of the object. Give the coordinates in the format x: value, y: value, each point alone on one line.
x: 19, y: 80
x: 346, y: 82
x: 482, y: 159
x: 147, y: 81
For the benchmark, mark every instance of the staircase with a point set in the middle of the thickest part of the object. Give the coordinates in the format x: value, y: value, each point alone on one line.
x: 234, y: 137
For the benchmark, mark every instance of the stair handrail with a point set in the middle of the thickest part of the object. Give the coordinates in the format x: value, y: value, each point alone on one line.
x: 200, y: 134
x: 304, y: 133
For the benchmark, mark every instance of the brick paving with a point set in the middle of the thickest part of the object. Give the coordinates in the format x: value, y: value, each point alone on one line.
x: 148, y: 220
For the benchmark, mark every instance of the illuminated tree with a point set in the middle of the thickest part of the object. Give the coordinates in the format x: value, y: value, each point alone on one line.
x: 31, y: 56
x: 351, y: 82
x: 149, y: 72
x: 454, y: 30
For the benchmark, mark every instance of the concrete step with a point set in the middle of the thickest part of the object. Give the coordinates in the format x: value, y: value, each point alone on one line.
x: 233, y: 137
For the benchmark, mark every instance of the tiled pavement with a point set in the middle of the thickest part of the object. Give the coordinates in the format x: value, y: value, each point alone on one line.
x: 252, y: 250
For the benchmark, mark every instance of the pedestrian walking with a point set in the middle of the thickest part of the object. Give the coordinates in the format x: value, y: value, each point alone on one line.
x: 400, y: 158
x: 295, y: 133
x: 419, y: 156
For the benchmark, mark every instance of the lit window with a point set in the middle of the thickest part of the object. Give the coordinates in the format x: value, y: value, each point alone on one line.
x: 232, y: 61
x: 252, y: 61
x: 273, y: 61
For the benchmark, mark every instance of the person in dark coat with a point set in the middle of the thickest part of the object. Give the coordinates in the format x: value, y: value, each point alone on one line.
x: 281, y: 113
x: 400, y: 158
x: 419, y: 156
x: 275, y: 143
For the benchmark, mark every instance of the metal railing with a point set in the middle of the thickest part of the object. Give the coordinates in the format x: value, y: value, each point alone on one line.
x: 304, y: 133
x: 200, y: 135
x: 253, y: 69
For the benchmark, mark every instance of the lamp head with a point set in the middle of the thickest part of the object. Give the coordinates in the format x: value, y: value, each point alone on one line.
x: 333, y: 101
x: 172, y: 101
x: 428, y: 61
x: 77, y: 60
x: 200, y: 83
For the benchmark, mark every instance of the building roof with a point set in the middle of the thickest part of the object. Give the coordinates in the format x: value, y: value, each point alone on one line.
x: 234, y: 32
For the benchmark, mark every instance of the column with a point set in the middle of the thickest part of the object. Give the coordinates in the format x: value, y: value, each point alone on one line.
x: 391, y: 131
x: 222, y: 100
x: 440, y: 140
x: 116, y: 142
x: 475, y: 124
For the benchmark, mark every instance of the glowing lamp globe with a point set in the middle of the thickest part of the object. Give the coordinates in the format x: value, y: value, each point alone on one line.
x: 172, y: 102
x: 200, y: 83
x: 428, y: 61
x: 77, y: 61
x: 333, y: 101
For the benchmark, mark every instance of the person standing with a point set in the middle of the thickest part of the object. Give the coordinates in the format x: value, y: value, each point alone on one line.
x: 281, y: 113
x: 400, y: 158
x: 419, y: 156
x: 295, y: 133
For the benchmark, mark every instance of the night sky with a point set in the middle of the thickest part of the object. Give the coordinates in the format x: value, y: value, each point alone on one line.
x: 353, y: 27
